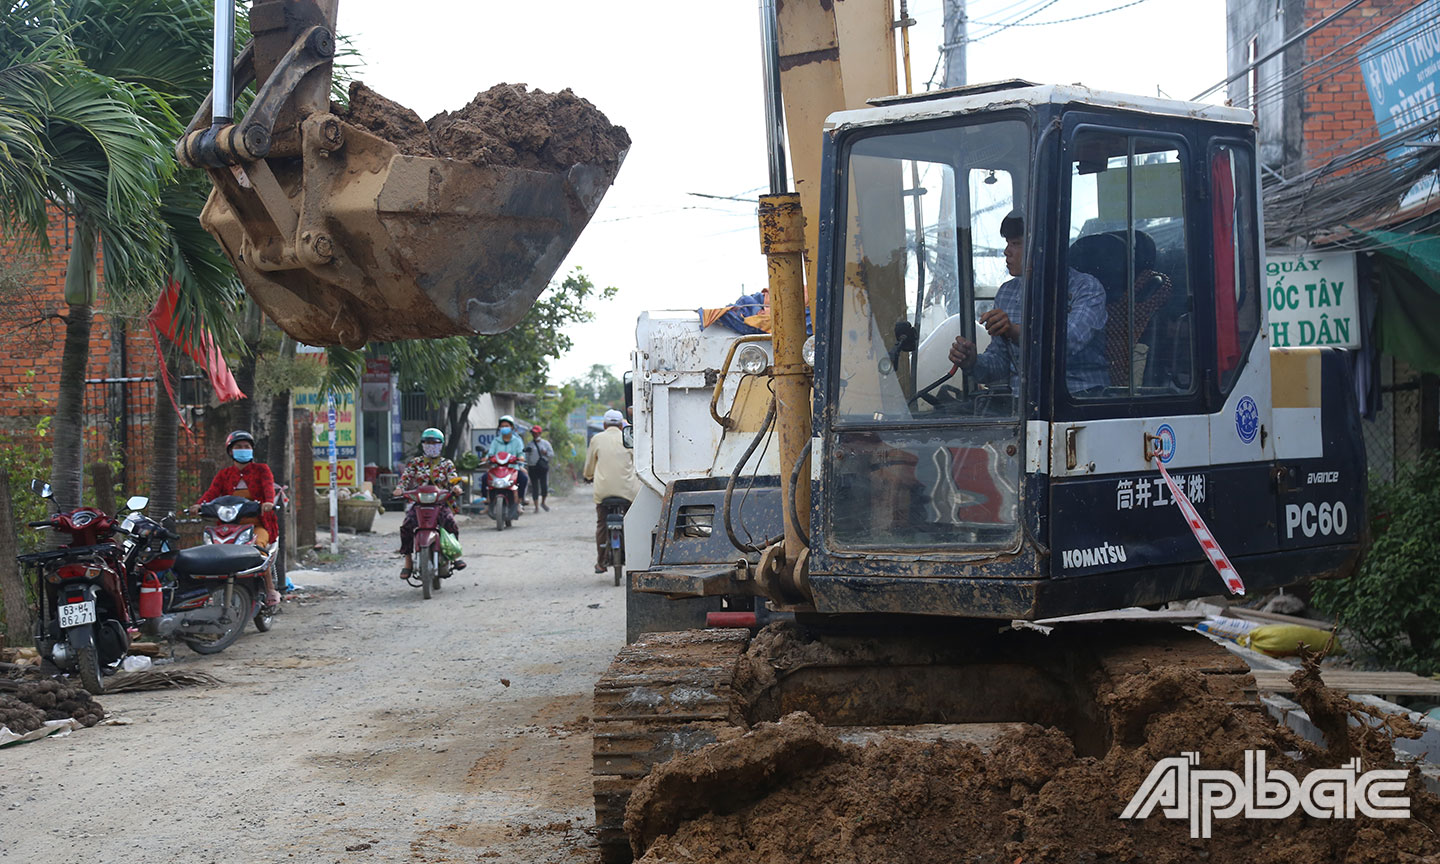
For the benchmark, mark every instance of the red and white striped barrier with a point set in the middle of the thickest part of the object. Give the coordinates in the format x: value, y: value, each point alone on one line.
x: 1202, y: 534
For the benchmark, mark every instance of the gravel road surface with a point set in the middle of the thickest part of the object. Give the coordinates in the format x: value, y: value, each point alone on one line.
x: 369, y: 725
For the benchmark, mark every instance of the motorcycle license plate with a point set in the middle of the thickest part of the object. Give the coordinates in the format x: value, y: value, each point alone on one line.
x: 75, y: 614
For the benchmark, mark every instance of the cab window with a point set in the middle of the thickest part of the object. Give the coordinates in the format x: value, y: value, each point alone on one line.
x: 1129, y: 311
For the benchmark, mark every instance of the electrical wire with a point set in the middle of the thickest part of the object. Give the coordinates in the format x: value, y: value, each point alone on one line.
x: 1067, y: 20
x: 1007, y: 25
x: 1307, y: 75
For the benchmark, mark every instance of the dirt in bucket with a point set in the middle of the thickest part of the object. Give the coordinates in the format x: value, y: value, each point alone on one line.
x: 507, y: 125
x: 793, y: 792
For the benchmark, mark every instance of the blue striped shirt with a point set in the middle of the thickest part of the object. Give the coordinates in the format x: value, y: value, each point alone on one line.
x: 1085, y: 366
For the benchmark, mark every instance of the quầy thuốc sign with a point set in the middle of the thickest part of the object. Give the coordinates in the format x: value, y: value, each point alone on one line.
x: 1311, y: 298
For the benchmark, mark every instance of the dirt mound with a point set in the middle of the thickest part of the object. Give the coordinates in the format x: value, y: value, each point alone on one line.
x: 507, y: 125
x: 792, y: 792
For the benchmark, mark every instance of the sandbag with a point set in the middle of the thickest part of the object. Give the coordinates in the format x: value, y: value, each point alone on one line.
x: 1285, y: 640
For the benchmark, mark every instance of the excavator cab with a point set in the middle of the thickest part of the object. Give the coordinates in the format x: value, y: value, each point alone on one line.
x: 966, y: 467
x: 340, y: 237
x: 1024, y: 483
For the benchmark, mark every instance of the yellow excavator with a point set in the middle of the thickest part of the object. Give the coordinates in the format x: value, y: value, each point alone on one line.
x: 1036, y: 385
x: 339, y: 237
x: 1036, y: 381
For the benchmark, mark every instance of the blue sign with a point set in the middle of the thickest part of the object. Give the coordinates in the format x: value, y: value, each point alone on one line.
x: 1247, y: 419
x: 1401, y: 67
x: 1167, y: 442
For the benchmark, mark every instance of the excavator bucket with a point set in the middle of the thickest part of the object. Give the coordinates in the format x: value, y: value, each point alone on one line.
x: 353, y: 241
x: 341, y: 237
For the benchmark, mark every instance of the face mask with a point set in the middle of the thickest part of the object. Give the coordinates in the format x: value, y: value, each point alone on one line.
x: 431, y: 450
x: 242, y: 456
x: 506, y: 432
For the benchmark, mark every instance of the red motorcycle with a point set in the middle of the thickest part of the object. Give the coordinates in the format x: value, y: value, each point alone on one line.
x: 85, y: 615
x: 503, y: 481
x: 429, y: 502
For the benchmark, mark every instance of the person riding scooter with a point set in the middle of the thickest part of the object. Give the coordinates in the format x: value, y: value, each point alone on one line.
x: 253, y: 480
x: 508, y: 440
x: 432, y: 468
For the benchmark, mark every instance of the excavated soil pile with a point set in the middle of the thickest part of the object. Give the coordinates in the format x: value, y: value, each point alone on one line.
x: 792, y: 792
x: 506, y: 125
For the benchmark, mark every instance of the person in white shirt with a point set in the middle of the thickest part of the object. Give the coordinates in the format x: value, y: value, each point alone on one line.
x: 610, y: 465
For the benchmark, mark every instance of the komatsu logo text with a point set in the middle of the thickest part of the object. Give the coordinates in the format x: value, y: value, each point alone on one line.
x: 1102, y: 554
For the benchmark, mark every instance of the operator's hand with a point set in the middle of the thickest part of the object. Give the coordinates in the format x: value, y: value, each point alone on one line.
x: 999, y: 325
x: 191, y: 510
x: 962, y: 353
x: 267, y: 507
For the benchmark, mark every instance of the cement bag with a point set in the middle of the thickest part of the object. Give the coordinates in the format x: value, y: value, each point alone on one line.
x: 1233, y: 629
x: 1285, y: 640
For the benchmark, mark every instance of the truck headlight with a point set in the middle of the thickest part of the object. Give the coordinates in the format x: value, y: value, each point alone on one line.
x: 752, y: 359
x: 807, y: 351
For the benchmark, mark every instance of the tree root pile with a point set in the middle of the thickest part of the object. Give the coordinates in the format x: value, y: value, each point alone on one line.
x: 793, y: 792
x: 507, y: 125
x: 34, y: 703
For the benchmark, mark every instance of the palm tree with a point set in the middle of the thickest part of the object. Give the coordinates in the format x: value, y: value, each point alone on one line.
x: 101, y: 86
x: 98, y: 148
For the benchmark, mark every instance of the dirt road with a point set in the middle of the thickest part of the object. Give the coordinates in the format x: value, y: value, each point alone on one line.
x: 367, y: 716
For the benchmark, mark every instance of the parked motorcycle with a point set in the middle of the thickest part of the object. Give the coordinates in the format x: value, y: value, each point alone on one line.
x: 84, y: 611
x: 503, y: 481
x: 202, y: 595
x: 429, y: 503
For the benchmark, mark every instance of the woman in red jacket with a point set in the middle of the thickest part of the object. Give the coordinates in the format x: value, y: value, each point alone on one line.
x: 253, y: 480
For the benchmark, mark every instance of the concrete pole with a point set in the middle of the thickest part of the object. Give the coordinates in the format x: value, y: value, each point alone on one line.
x: 955, y: 34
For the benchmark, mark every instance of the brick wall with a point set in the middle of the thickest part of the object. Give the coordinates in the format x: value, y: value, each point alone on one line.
x: 31, y: 343
x: 1336, y: 116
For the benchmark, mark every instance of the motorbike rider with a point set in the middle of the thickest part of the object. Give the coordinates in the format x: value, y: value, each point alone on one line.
x: 610, y: 464
x: 507, y: 440
x: 432, y: 468
x: 253, y: 480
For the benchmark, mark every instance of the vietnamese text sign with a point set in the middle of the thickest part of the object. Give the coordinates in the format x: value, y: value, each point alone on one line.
x: 1401, y: 66
x: 345, y: 431
x: 1312, y: 299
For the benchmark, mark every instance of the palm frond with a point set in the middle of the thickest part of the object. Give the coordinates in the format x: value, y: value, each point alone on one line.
x: 342, y: 369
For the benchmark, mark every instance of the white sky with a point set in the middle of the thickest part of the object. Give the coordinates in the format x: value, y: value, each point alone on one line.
x: 684, y: 79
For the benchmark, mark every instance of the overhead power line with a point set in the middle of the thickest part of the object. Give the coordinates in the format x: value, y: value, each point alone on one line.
x: 1067, y: 20
x: 1005, y: 26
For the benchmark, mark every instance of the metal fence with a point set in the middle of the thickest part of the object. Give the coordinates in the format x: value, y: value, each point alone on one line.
x: 119, y: 418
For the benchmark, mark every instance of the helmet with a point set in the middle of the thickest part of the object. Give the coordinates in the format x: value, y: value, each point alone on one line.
x: 238, y: 435
x: 433, y: 434
x: 614, y: 418
x: 506, y: 418
x: 536, y: 430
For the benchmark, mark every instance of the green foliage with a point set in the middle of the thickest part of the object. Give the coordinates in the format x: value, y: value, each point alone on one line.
x: 463, y: 368
x: 94, y: 93
x: 604, y: 390
x: 1393, y: 603
x: 553, y: 413
x: 25, y: 459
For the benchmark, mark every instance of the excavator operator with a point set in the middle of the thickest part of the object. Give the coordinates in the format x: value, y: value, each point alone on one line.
x: 1086, y: 369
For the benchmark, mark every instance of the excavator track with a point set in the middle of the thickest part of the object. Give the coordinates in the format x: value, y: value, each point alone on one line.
x: 664, y: 694
x: 671, y: 693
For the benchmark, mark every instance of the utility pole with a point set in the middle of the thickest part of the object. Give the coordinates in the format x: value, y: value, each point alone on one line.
x: 955, y: 43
